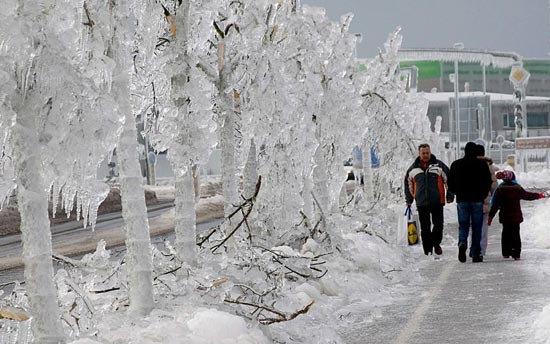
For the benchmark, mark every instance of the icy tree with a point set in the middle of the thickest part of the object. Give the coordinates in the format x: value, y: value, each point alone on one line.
x: 396, y: 120
x: 250, y: 171
x: 220, y: 65
x: 303, y: 103
x: 58, y: 123
x: 133, y: 43
x: 338, y: 120
x: 235, y: 59
x: 185, y: 127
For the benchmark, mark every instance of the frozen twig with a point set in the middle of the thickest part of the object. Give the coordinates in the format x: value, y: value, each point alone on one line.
x: 280, y: 315
x: 248, y: 204
x: 90, y: 22
x: 80, y: 293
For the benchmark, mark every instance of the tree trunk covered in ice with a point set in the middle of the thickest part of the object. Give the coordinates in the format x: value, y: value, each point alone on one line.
x: 134, y: 210
x: 32, y: 198
x: 250, y: 172
x: 307, y: 194
x: 320, y: 181
x: 185, y: 219
x: 227, y: 133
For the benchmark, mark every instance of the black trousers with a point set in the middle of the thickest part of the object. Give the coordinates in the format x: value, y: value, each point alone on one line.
x: 511, y: 240
x: 431, y: 236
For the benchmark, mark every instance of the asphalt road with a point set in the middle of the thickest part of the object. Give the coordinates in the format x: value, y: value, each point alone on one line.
x: 71, y: 239
x: 484, y: 303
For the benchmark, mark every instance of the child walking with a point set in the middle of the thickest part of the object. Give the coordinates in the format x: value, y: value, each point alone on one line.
x: 507, y: 198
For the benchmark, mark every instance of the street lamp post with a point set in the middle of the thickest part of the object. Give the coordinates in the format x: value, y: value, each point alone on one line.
x: 457, y: 46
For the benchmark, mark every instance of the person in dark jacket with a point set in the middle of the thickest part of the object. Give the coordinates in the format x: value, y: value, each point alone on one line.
x: 426, y: 183
x: 487, y: 201
x: 470, y: 180
x: 507, y: 198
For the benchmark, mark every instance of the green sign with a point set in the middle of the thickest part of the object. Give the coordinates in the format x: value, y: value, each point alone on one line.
x: 426, y: 69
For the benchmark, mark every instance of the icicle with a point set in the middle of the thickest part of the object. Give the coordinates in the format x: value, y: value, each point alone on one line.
x: 55, y: 192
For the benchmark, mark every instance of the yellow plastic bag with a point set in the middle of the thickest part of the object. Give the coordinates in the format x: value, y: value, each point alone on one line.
x: 412, y: 231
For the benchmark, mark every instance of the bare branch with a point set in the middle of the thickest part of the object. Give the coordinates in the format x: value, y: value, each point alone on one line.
x: 166, y: 273
x: 104, y: 291
x: 287, y: 317
x: 90, y: 22
x: 248, y: 203
x: 371, y: 94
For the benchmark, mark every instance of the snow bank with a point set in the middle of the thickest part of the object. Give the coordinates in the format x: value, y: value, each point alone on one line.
x: 200, y: 326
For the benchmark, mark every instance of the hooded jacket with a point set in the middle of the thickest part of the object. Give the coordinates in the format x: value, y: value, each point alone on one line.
x: 469, y: 177
x: 427, y: 185
x: 507, y: 199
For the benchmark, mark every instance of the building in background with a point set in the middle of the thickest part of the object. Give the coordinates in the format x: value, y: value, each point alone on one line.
x: 435, y: 74
x: 501, y: 113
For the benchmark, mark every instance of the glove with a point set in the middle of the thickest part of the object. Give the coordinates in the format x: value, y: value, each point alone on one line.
x: 542, y: 195
x: 489, y: 220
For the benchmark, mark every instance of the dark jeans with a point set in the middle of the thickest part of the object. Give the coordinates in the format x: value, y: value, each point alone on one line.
x: 431, y: 237
x: 470, y: 214
x: 511, y: 240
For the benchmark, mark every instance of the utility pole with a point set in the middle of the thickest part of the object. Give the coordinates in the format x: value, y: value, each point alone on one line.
x: 519, y: 78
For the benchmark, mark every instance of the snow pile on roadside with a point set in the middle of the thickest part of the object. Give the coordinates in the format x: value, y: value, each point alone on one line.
x: 535, y: 229
x: 182, y: 325
x: 542, y: 327
x: 366, y: 271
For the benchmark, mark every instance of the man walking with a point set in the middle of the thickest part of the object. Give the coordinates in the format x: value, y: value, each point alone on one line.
x: 425, y: 183
x: 470, y: 180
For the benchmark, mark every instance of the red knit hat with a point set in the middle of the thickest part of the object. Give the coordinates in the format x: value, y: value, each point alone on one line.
x: 505, y: 175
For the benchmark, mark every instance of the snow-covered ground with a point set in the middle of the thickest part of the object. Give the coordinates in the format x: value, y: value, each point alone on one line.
x: 374, y: 269
x: 367, y: 275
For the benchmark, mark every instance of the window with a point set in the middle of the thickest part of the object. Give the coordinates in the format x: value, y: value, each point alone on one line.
x: 508, y: 120
x: 534, y: 120
x: 537, y: 120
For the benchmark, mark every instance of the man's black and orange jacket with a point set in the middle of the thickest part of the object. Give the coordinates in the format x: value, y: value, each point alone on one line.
x: 427, y: 183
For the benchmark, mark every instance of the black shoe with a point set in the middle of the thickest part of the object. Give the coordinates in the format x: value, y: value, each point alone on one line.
x: 438, y: 250
x: 462, y: 252
x: 505, y: 256
x: 477, y: 259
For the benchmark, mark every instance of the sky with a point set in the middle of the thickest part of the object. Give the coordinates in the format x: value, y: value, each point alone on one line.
x: 502, y: 25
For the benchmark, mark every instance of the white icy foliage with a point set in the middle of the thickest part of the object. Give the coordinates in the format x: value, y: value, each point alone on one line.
x: 396, y: 120
x: 7, y: 120
x: 276, y: 114
x: 145, y: 88
x: 301, y: 97
x: 77, y: 110
x: 126, y: 42
x: 65, y: 124
x: 340, y: 116
x: 188, y: 138
x: 289, y: 74
x: 71, y: 106
x: 185, y: 126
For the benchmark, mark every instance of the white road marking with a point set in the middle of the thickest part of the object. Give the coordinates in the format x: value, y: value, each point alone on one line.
x: 413, y: 323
